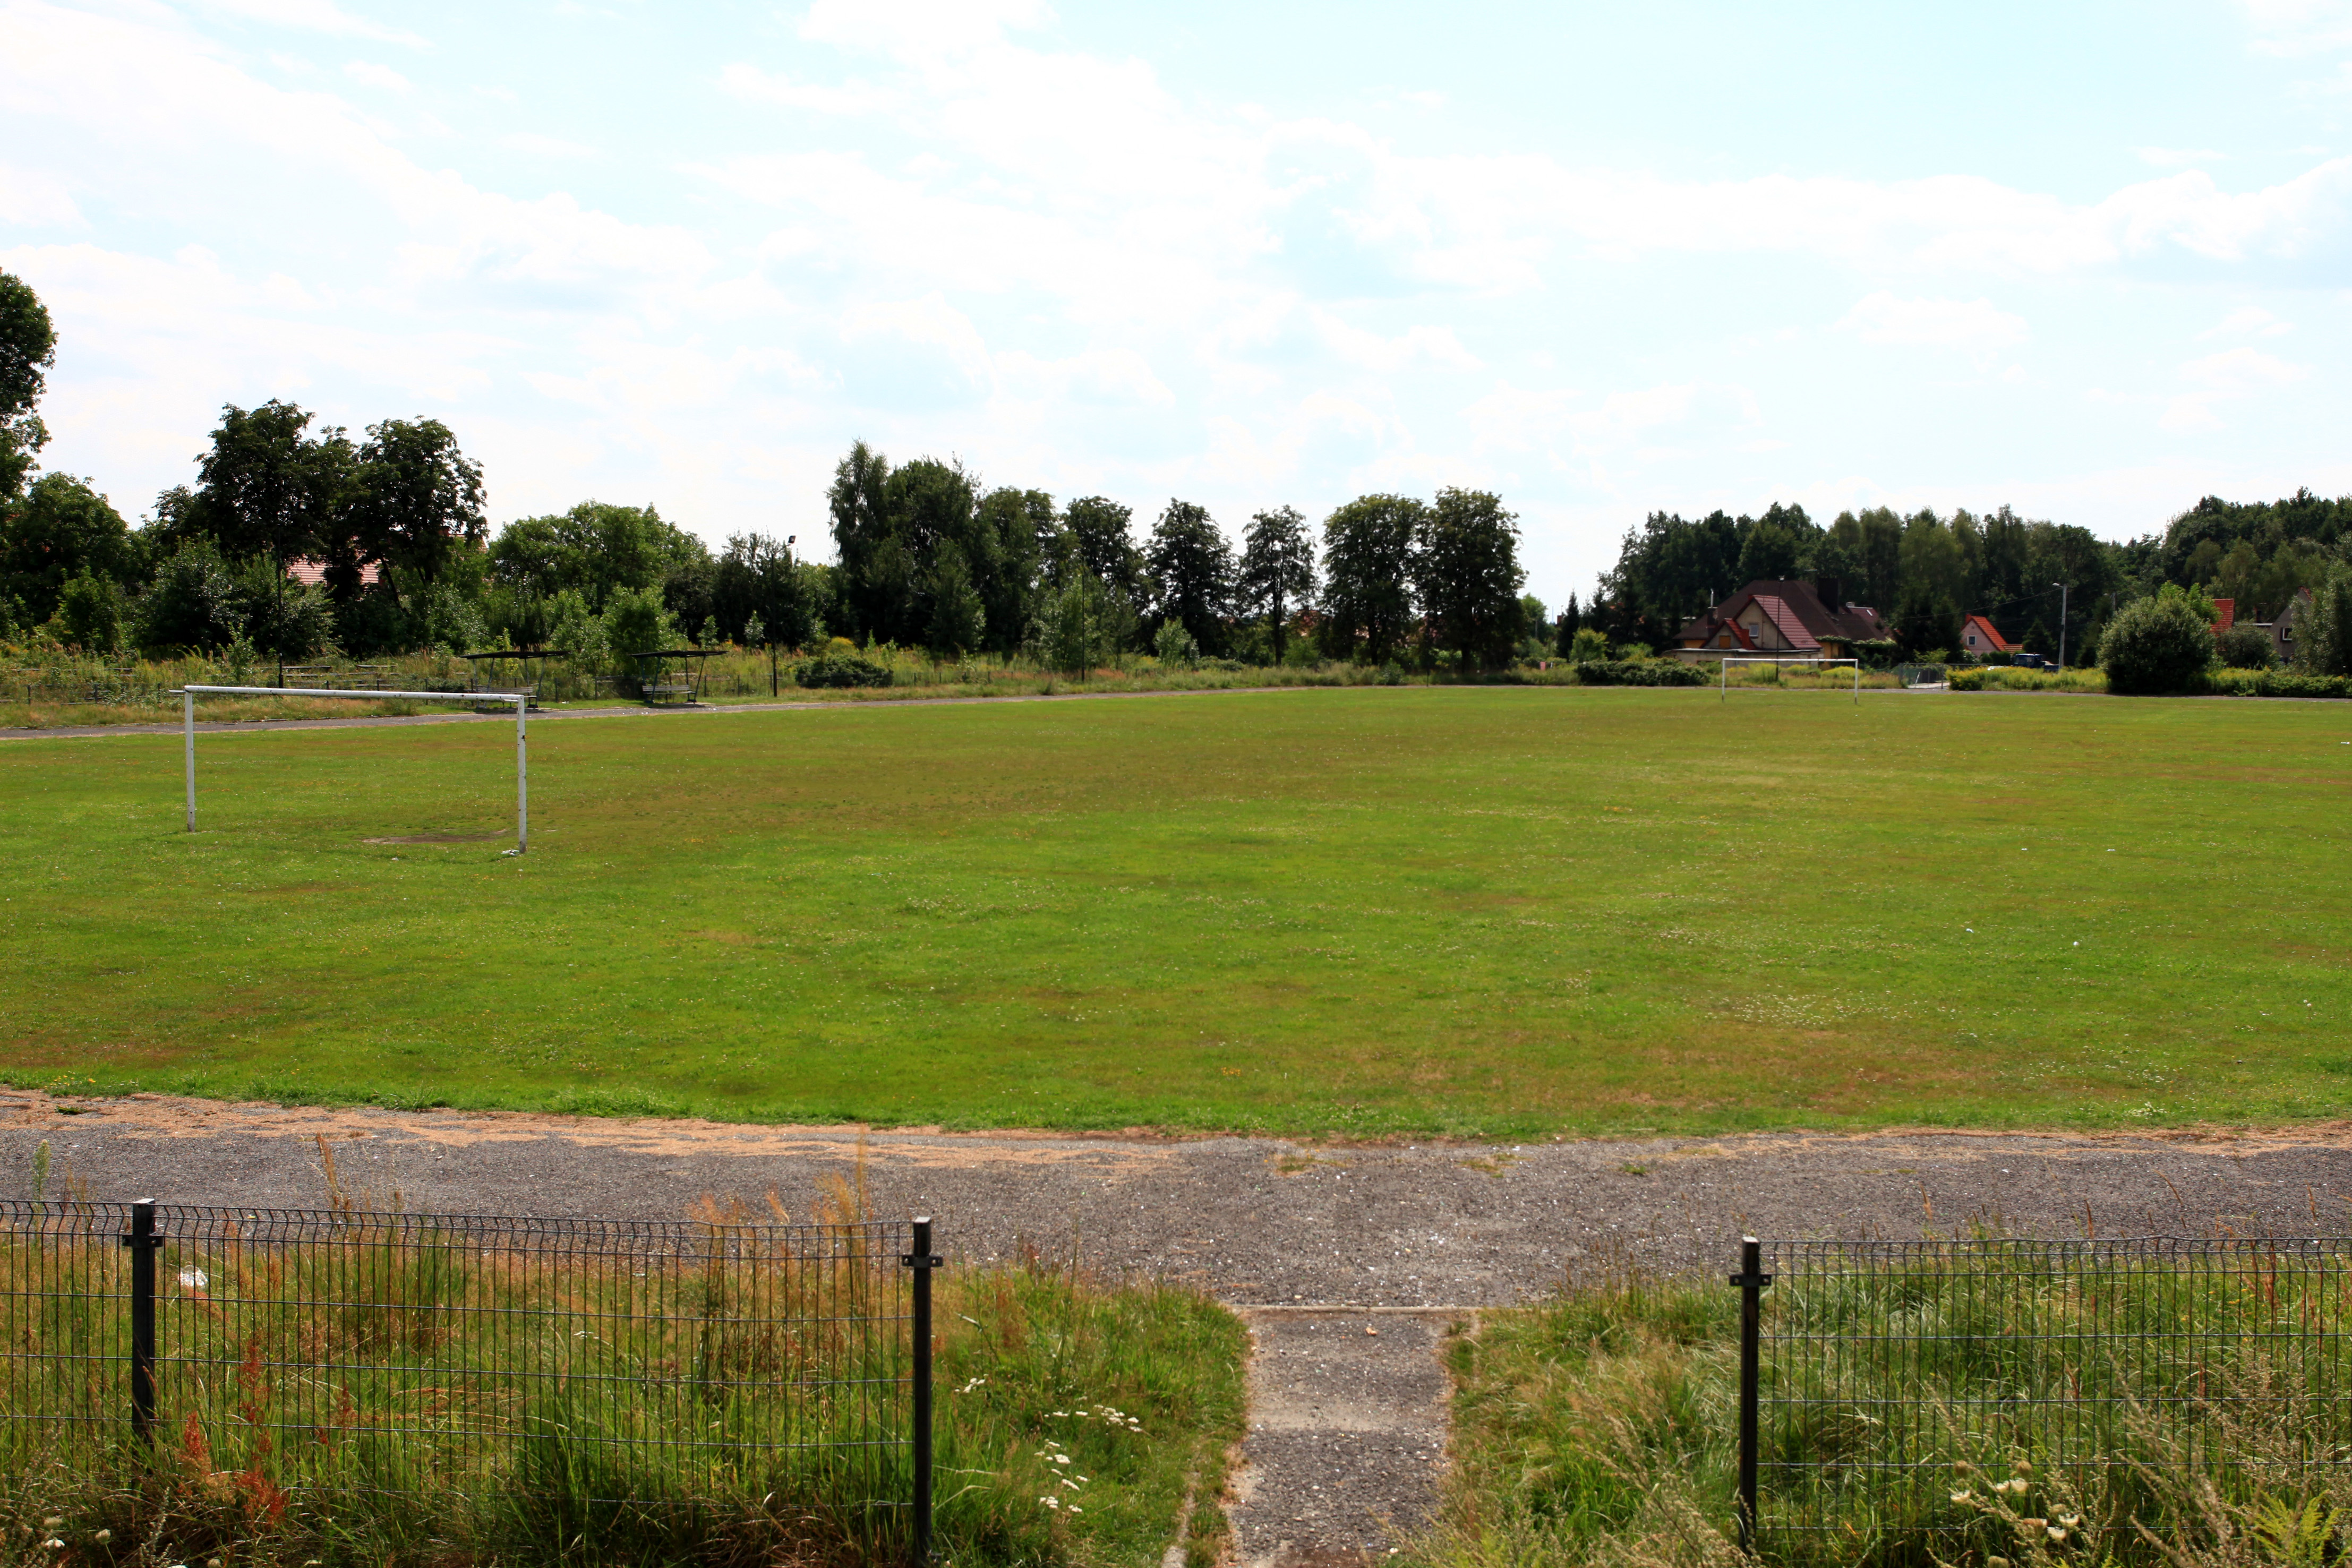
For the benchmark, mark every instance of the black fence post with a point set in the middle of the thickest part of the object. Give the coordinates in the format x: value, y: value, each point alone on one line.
x: 922, y: 1260
x: 1751, y: 1280
x: 144, y: 1244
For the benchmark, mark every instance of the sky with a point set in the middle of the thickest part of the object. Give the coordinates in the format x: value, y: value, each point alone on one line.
x: 2091, y: 260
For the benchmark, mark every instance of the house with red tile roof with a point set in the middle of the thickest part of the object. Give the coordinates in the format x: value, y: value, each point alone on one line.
x: 312, y: 573
x: 1980, y: 636
x: 1803, y: 620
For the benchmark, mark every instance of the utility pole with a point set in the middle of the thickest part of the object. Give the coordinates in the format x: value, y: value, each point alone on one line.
x: 2062, y: 626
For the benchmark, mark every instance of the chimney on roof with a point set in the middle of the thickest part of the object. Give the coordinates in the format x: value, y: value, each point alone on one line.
x: 1828, y: 587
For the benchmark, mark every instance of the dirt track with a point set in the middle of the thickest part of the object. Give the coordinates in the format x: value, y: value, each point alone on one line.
x: 1349, y: 1262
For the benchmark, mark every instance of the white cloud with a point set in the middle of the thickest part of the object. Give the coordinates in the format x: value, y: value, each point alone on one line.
x: 2248, y: 320
x: 30, y: 198
x: 1975, y: 327
x: 755, y: 86
x: 313, y: 16
x: 2229, y: 375
x: 532, y: 144
x: 2299, y: 26
x: 373, y: 75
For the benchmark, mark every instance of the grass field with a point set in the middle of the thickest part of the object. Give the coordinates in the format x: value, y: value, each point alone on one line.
x: 1498, y: 912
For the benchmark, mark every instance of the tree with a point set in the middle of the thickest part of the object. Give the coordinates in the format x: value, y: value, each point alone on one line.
x: 860, y: 529
x: 1873, y: 539
x: 1100, y: 528
x: 60, y: 530
x: 928, y: 504
x: 413, y: 495
x: 1277, y: 570
x: 2156, y: 646
x: 267, y: 487
x: 1467, y: 574
x: 1015, y: 528
x: 89, y: 612
x: 2323, y: 631
x: 597, y: 549
x: 1667, y: 571
x: 1774, y: 545
x: 756, y: 583
x: 1563, y: 632
x: 1192, y: 574
x: 268, y: 490
x: 1368, y: 550
x: 192, y: 602
x: 2246, y: 646
x: 958, y: 619
x: 28, y: 346
x: 636, y: 622
x: 1073, y: 632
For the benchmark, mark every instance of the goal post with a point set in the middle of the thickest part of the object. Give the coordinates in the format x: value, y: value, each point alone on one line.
x: 188, y: 695
x: 1817, y: 663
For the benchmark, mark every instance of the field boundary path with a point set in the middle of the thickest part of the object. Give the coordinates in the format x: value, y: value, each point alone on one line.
x: 632, y: 710
x: 1350, y: 1263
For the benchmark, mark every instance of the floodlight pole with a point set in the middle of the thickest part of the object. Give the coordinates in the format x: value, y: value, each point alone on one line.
x: 2062, y: 626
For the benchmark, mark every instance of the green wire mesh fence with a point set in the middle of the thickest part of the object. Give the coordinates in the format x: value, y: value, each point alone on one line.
x: 572, y: 1369
x: 1898, y: 1382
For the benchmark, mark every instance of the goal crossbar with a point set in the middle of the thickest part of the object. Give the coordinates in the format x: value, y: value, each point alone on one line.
x: 188, y: 695
x: 1729, y: 660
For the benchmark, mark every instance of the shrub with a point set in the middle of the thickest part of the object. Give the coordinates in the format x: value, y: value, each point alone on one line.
x: 1588, y: 646
x: 840, y: 670
x: 92, y: 614
x: 2324, y: 631
x: 2294, y: 684
x: 2245, y: 647
x: 1175, y: 645
x: 1640, y: 673
x: 2157, y: 646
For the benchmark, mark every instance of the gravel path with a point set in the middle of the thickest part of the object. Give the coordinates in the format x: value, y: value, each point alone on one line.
x: 1349, y: 1262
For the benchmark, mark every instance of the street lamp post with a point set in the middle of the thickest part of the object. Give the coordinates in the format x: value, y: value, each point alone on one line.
x: 2062, y: 626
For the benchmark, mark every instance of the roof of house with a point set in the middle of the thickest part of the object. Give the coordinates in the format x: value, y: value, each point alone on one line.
x: 1796, y: 610
x: 312, y: 573
x: 2000, y: 645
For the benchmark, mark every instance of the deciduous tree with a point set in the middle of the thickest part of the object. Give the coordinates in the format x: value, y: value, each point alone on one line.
x: 1467, y: 571
x: 1277, y: 570
x: 1367, y: 552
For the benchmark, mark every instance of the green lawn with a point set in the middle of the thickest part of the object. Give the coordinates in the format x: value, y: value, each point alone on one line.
x: 1365, y: 911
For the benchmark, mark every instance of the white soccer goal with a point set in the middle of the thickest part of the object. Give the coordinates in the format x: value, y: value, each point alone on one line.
x: 1816, y: 663
x: 188, y: 695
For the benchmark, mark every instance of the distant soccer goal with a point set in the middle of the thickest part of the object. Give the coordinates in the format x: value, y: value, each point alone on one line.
x: 1783, y: 662
x: 188, y: 695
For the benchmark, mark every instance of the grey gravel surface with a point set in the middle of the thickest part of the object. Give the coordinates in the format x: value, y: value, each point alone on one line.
x: 1313, y: 1243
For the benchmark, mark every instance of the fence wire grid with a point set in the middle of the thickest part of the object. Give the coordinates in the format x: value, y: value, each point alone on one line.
x: 596, y: 1361
x: 1883, y: 1362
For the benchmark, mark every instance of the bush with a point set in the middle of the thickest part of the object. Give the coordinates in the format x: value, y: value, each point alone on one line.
x: 2323, y: 632
x: 840, y: 670
x: 1639, y: 673
x: 1175, y: 645
x: 2245, y: 647
x: 1588, y: 646
x: 92, y: 614
x: 2157, y: 647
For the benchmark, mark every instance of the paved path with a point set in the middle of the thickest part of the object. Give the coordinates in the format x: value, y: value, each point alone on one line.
x: 1314, y: 1245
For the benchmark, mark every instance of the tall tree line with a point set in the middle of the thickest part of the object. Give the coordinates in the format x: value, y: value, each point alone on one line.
x: 928, y: 556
